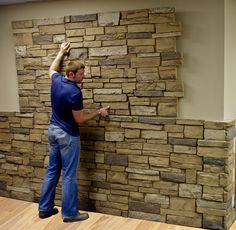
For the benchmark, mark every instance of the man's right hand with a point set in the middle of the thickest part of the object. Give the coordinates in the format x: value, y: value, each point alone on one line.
x: 65, y: 47
x: 104, y: 111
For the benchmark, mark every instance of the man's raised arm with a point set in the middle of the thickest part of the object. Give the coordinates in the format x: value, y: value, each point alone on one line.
x: 56, y: 64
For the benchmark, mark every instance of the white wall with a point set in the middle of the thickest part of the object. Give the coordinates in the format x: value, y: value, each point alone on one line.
x: 230, y: 60
x: 202, y: 45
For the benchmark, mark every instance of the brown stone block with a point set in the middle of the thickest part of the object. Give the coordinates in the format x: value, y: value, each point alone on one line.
x: 84, y: 18
x: 183, y: 141
x: 144, y: 207
x: 115, y: 159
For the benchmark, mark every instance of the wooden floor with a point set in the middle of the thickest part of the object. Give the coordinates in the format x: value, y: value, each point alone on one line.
x: 22, y: 215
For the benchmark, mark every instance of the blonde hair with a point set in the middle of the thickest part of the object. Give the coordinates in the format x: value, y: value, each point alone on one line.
x: 73, y: 67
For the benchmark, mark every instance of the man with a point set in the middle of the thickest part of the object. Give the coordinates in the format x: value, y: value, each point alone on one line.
x: 64, y: 138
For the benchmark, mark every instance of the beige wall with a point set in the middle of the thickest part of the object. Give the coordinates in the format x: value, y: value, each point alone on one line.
x: 202, y: 45
x: 230, y: 60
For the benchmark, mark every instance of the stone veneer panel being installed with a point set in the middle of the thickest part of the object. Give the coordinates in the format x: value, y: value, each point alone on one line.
x: 141, y: 162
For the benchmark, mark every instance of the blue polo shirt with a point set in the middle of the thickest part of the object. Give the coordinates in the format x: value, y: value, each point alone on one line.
x: 65, y: 97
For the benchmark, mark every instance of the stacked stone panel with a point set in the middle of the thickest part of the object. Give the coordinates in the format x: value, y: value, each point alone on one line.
x: 142, y: 161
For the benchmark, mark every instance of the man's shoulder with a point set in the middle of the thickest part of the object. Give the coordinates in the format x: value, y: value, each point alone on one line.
x: 55, y: 74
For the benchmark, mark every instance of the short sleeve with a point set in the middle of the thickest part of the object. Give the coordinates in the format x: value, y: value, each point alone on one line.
x: 77, y: 101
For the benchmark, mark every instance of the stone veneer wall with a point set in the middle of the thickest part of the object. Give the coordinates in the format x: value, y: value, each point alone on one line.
x: 142, y: 161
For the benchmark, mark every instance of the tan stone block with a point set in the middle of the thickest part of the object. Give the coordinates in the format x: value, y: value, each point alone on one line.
x: 159, y: 161
x: 146, y: 134
x: 187, y: 221
x: 167, y: 109
x: 36, y: 53
x: 108, y: 18
x: 193, y: 131
x: 114, y: 136
x: 8, y: 166
x: 6, y: 137
x: 41, y: 118
x: 211, y: 205
x: 158, y: 148
x: 118, y: 199
x: 143, y: 110
x: 213, y: 134
x: 185, y: 149
x: 138, y: 159
x: 143, y: 126
x: 150, y: 86
x: 191, y: 176
x: 136, y: 196
x: 215, y: 125
x: 107, y: 91
x: 20, y: 51
x: 94, y: 30
x: 186, y: 161
x: 161, y: 18
x: 167, y: 73
x: 189, y: 122
x: 212, y: 152
x: 134, y: 176
x: 112, y: 73
x: 110, y: 98
x: 22, y: 24
x: 148, y: 77
x: 117, y: 177
x: 190, y: 191
x: 132, y: 133
x: 5, y: 147
x: 134, y: 13
x: 157, y: 199
x: 27, y: 122
x: 108, y: 51
x: 141, y: 42
x: 168, y: 27
x: 23, y: 39
x: 178, y: 203
x: 114, y: 43
x: 97, y: 196
x: 213, y: 143
x: 141, y: 28
x: 115, y: 29
x: 48, y: 21
x: 165, y: 44
x: 52, y: 29
x: 145, y: 62
x: 210, y: 179
x: 75, y: 33
x: 141, y: 49
x: 39, y: 172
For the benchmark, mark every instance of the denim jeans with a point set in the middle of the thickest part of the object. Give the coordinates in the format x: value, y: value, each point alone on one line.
x: 64, y: 154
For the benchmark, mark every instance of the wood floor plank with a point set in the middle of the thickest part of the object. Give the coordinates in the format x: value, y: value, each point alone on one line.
x: 22, y: 215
